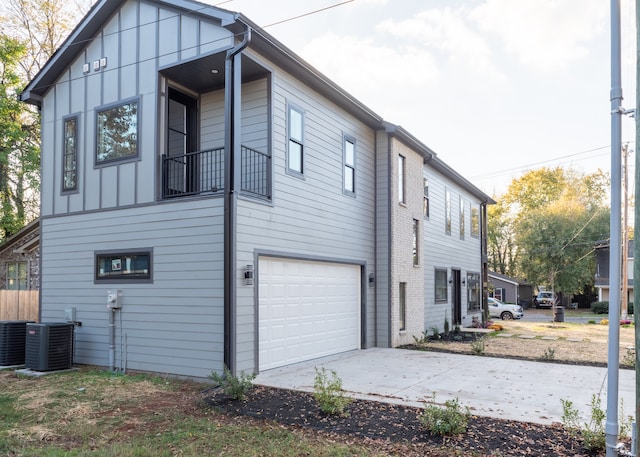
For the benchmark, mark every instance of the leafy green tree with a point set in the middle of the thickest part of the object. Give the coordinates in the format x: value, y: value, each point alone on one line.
x: 545, y: 226
x: 19, y: 139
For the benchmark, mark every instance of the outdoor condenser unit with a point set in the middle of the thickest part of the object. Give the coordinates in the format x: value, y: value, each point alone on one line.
x: 49, y: 346
x: 12, y: 342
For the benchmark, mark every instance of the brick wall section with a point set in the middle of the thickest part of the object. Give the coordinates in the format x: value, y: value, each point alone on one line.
x: 402, y: 268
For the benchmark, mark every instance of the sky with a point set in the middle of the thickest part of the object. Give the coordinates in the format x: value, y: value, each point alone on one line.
x: 494, y: 87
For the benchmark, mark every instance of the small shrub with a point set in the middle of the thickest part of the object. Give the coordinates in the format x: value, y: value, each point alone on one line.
x: 549, y: 354
x: 592, y: 432
x: 424, y: 337
x: 435, y: 333
x: 329, y: 393
x: 451, y: 419
x: 446, y: 326
x: 591, y: 321
x: 236, y: 387
x: 600, y: 307
x: 478, y: 346
x: 604, y: 321
x: 629, y: 358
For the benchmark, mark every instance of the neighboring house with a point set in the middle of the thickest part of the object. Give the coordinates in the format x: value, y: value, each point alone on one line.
x: 20, y: 259
x: 602, y: 270
x: 251, y: 212
x: 510, y: 290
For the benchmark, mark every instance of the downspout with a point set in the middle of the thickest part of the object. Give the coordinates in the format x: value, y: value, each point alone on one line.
x: 232, y: 91
x: 483, y: 257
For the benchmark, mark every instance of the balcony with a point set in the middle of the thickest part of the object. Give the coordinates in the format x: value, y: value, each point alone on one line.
x: 202, y: 172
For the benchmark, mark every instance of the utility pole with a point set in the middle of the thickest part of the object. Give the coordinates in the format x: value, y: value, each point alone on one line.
x: 613, y: 362
x: 636, y: 245
x: 624, y: 295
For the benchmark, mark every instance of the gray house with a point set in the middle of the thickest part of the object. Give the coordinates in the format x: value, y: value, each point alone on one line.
x: 235, y: 205
x: 510, y: 290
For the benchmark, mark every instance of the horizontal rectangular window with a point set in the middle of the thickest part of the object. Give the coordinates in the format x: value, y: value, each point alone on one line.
x: 124, y: 266
x: 117, y: 133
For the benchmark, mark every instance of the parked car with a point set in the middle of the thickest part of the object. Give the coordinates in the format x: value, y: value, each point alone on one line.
x: 505, y: 311
x: 544, y: 300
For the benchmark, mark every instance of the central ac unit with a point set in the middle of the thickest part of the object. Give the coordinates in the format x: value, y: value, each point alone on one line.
x: 12, y: 340
x: 49, y: 346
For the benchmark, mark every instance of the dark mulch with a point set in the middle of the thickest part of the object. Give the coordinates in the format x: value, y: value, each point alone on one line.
x: 384, y: 426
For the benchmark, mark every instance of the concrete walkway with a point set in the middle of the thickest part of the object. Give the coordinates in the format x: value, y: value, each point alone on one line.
x: 494, y: 387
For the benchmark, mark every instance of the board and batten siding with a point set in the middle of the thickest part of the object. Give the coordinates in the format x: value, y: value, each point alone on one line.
x: 310, y: 217
x: 139, y: 40
x: 447, y: 251
x: 175, y: 324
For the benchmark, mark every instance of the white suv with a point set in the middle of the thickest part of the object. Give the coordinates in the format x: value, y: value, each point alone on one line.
x: 544, y: 300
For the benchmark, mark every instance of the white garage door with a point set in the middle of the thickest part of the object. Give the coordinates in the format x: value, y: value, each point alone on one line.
x: 306, y: 310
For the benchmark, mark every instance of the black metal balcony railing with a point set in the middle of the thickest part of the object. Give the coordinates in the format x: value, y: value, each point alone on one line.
x: 203, y: 172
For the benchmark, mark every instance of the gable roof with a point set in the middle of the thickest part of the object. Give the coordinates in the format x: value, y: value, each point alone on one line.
x: 263, y: 43
x: 13, y: 242
x: 505, y: 278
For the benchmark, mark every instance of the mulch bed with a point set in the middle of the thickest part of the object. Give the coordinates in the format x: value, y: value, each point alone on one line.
x: 395, y: 427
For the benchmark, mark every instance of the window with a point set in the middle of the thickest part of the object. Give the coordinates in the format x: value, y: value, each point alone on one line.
x: 441, y: 286
x: 475, y: 221
x: 349, y: 166
x: 498, y: 293
x: 17, y: 276
x: 447, y: 212
x: 402, y: 306
x: 462, y: 221
x: 123, y: 266
x: 401, y: 179
x: 70, y: 155
x: 295, y: 155
x: 473, y: 292
x: 425, y: 201
x: 415, y: 237
x: 117, y: 131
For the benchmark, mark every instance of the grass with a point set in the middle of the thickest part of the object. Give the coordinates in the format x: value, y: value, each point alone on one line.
x: 91, y: 412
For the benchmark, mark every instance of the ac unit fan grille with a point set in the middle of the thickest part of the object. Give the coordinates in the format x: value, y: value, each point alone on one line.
x: 12, y: 342
x: 49, y: 346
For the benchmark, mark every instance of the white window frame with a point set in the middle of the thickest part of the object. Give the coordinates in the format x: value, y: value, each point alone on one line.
x: 402, y: 175
x: 462, y: 218
x: 447, y: 212
x: 349, y: 166
x: 295, y: 141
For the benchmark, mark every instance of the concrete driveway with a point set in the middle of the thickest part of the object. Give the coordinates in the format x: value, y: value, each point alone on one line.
x: 500, y: 388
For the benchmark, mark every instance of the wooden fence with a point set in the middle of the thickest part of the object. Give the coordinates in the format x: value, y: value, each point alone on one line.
x: 19, y: 305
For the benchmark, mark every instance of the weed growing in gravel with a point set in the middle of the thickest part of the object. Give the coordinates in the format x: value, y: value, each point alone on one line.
x: 629, y: 358
x: 236, y: 387
x: 549, y: 354
x: 329, y: 393
x: 450, y: 420
x: 592, y: 432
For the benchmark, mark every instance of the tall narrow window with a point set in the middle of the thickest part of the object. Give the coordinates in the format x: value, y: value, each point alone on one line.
x: 349, y: 166
x: 441, y: 288
x: 17, y: 276
x: 295, y: 155
x: 402, y: 306
x: 462, y: 221
x: 473, y: 292
x: 70, y: 155
x: 401, y: 180
x: 447, y: 212
x: 425, y: 201
x: 475, y: 221
x: 416, y: 238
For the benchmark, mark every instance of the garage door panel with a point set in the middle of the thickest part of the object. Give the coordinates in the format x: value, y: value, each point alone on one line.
x: 306, y: 310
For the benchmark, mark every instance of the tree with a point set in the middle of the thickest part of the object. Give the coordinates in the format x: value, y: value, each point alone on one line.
x: 545, y: 226
x: 19, y: 138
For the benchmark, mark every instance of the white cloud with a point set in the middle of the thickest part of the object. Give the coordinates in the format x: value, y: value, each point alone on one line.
x: 448, y: 32
x: 362, y: 66
x: 543, y: 34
